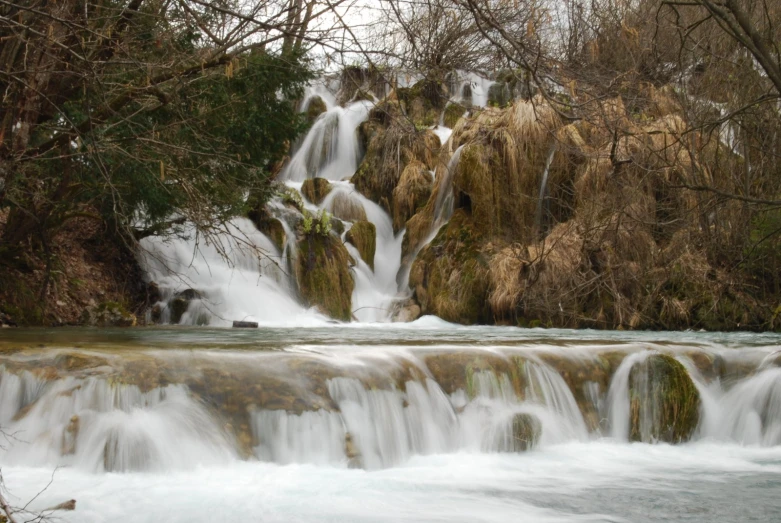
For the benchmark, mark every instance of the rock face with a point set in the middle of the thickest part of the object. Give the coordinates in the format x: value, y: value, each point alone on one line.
x: 664, y: 402
x: 526, y: 431
x: 323, y: 274
x: 180, y: 303
x: 316, y: 189
x: 363, y: 235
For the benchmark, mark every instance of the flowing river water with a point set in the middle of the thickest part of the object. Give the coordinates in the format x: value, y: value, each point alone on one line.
x: 389, y: 422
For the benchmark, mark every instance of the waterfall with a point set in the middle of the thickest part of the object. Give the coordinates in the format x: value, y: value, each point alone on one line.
x: 330, y: 149
x: 165, y: 410
x: 539, y: 216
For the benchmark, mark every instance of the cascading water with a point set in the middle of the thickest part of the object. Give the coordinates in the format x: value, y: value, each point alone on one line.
x: 400, y: 404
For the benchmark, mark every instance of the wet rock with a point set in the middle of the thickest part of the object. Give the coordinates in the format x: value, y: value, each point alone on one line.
x: 109, y: 314
x: 69, y: 436
x: 316, y: 189
x: 354, y: 460
x: 153, y: 292
x: 181, y: 302
x: 363, y: 235
x: 405, y: 312
x: 526, y: 431
x: 348, y: 208
x: 323, y: 274
x: 245, y: 325
x: 315, y: 108
x: 664, y: 402
x: 6, y: 320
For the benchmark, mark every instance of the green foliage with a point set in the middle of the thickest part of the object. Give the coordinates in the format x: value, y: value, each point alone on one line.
x: 316, y: 224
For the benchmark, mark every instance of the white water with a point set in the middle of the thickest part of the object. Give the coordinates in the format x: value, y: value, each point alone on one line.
x: 421, y: 454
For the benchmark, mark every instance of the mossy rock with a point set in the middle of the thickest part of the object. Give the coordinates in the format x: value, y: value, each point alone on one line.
x: 499, y: 95
x: 180, y: 303
x: 109, y: 314
x: 411, y: 194
x: 315, y: 108
x: 526, y: 432
x: 450, y: 276
x: 270, y: 226
x: 423, y: 102
x: 323, y: 274
x: 316, y: 189
x: 453, y: 113
x: 664, y: 402
x: 363, y: 235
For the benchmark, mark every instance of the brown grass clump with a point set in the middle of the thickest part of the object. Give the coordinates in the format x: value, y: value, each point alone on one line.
x: 508, y: 280
x: 411, y: 193
x: 363, y: 235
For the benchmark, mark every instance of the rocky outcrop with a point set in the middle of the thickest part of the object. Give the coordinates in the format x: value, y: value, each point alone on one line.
x: 664, y: 402
x: 323, y: 275
x: 345, y: 207
x: 363, y: 235
x: 315, y: 108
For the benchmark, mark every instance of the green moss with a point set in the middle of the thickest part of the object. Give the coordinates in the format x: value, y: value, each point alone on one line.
x: 363, y: 235
x: 323, y: 273
x: 453, y: 113
x: 664, y: 402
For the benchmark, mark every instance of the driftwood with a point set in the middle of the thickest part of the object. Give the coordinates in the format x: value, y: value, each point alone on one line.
x: 245, y: 325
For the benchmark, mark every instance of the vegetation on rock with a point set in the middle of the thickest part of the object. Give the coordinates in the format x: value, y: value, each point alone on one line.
x: 664, y: 402
x: 323, y: 275
x: 363, y: 235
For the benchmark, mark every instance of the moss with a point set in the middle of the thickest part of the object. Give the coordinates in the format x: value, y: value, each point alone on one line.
x: 526, y: 431
x: 315, y: 108
x: 450, y: 276
x: 316, y: 189
x: 363, y: 235
x: 423, y: 102
x: 270, y: 226
x: 453, y: 113
x: 499, y: 95
x: 323, y: 274
x: 664, y: 402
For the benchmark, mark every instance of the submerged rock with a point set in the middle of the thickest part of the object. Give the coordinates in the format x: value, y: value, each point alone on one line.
x: 663, y: 400
x: 323, y: 274
x: 363, y: 235
x: 181, y: 302
x: 526, y: 431
x: 316, y: 189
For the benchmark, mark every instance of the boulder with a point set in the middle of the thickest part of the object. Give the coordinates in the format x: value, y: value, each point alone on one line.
x: 453, y: 113
x: 180, y: 303
x: 347, y: 208
x: 316, y: 189
x: 405, y: 312
x: 109, y: 314
x: 664, y: 402
x: 323, y: 274
x: 363, y: 235
x: 315, y: 108
x: 526, y: 430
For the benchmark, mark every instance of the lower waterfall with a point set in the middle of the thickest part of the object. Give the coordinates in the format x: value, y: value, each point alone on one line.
x: 255, y: 422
